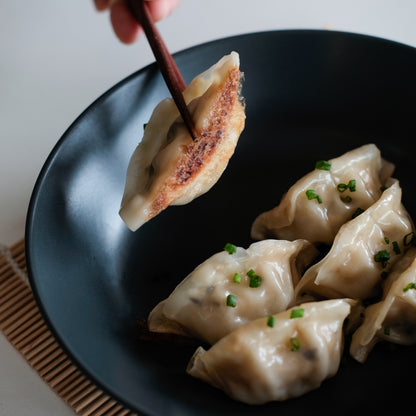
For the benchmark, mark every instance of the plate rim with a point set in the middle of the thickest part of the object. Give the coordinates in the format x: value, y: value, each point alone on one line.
x: 31, y: 209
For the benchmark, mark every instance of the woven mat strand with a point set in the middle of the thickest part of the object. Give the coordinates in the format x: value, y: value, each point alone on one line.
x: 22, y: 324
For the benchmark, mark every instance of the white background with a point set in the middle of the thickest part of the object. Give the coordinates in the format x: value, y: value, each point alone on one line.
x: 59, y: 56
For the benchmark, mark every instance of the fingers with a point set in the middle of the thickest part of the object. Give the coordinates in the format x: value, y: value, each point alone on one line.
x: 101, y: 5
x: 159, y: 9
x: 124, y: 25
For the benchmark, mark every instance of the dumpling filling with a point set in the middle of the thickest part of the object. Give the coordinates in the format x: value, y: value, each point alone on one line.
x: 168, y: 167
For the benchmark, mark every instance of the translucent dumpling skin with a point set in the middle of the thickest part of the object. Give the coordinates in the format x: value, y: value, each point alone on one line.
x: 363, y: 251
x: 319, y: 219
x: 219, y: 295
x: 260, y: 362
x: 168, y: 167
x: 393, y: 319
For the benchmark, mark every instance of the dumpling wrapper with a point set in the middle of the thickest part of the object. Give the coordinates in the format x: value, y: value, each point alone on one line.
x: 350, y: 269
x: 168, y: 167
x: 257, y: 363
x: 297, y: 217
x: 393, y: 319
x: 198, y: 305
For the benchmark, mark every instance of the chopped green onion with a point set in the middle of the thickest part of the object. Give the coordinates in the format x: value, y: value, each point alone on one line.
x: 251, y: 273
x: 409, y: 286
x: 323, y: 165
x: 232, y: 301
x: 387, y: 330
x: 348, y: 199
x: 231, y: 248
x: 409, y: 239
x: 384, y: 275
x: 342, y: 187
x: 352, y: 185
x: 270, y: 321
x: 357, y: 212
x: 396, y: 247
x: 237, y: 278
x: 255, y: 280
x: 311, y: 194
x: 297, y: 313
x: 294, y: 343
x: 383, y: 257
x: 386, y: 240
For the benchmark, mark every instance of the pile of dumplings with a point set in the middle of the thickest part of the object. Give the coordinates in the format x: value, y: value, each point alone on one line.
x: 276, y: 318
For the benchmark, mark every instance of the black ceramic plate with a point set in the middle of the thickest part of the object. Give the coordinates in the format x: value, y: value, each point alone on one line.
x: 310, y: 95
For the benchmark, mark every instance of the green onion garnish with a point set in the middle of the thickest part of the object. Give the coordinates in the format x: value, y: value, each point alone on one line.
x: 352, y: 185
x: 294, y: 343
x: 323, y: 165
x: 383, y: 257
x: 357, y: 212
x: 232, y: 301
x: 396, y: 247
x: 386, y: 330
x: 409, y: 286
x: 297, y: 313
x: 251, y: 273
x: 341, y: 187
x: 231, y: 248
x: 386, y: 240
x: 348, y: 199
x: 237, y: 278
x: 270, y: 321
x: 255, y: 280
x: 311, y: 194
x: 384, y: 275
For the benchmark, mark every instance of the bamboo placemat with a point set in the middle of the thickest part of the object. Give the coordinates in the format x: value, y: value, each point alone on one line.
x: 22, y: 324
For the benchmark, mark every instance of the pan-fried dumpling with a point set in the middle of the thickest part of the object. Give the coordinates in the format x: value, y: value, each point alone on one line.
x: 318, y: 204
x: 392, y: 319
x: 277, y: 357
x: 228, y: 290
x: 363, y: 252
x: 168, y: 167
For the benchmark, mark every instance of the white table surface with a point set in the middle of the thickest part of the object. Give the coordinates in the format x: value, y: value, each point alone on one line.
x: 59, y: 56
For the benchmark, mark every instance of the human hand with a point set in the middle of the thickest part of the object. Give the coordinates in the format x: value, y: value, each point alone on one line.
x: 124, y: 25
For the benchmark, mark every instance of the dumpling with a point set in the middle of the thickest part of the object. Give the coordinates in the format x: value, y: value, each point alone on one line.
x: 392, y: 319
x: 228, y: 290
x: 318, y: 204
x: 278, y: 357
x: 363, y: 252
x: 168, y: 167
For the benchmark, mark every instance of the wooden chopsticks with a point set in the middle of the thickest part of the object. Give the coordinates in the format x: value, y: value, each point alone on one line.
x: 164, y: 59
